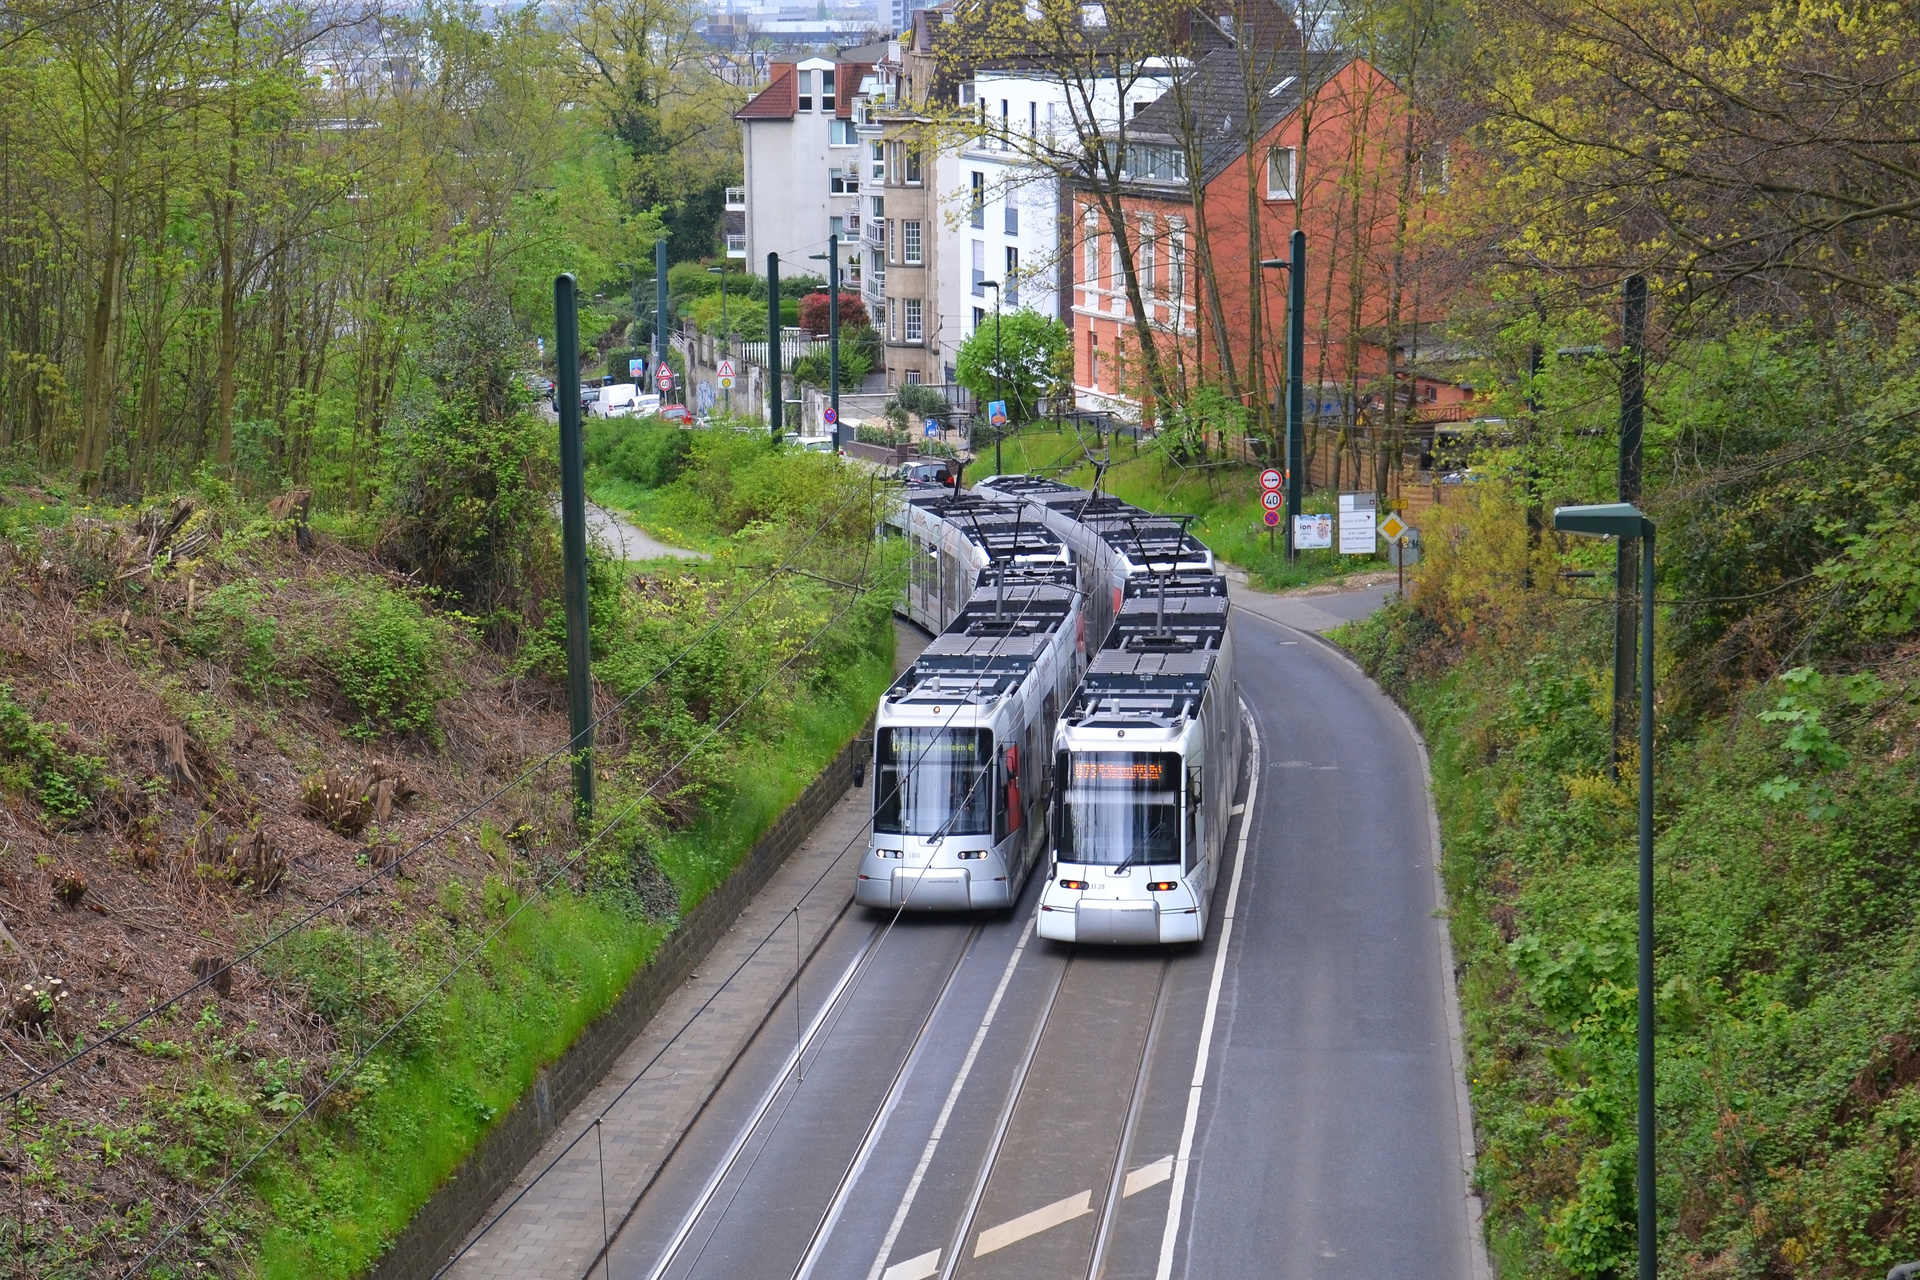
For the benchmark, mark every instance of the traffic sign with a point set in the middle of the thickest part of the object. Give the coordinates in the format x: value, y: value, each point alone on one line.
x: 1272, y: 518
x: 665, y: 377
x: 726, y: 373
x: 829, y: 416
x: 1271, y: 479
x: 1393, y: 526
x: 933, y: 427
x: 1270, y: 499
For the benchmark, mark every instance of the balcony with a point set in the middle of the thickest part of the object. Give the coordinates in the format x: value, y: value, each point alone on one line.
x: 877, y: 232
x: 736, y: 199
x: 876, y: 285
x: 736, y: 246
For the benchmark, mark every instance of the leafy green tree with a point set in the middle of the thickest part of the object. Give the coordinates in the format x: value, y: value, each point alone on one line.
x: 1035, y: 362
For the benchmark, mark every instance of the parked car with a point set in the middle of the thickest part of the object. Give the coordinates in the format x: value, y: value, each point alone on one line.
x: 678, y: 414
x: 616, y: 400
x: 926, y: 472
x: 812, y: 444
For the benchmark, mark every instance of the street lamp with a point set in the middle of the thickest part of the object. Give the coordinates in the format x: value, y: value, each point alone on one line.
x: 726, y: 331
x: 999, y: 383
x: 1296, y: 268
x: 832, y: 255
x: 1623, y: 520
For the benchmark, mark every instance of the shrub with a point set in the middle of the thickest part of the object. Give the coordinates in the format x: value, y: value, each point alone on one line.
x: 649, y: 454
x: 389, y: 659
x: 814, y: 315
x: 64, y: 782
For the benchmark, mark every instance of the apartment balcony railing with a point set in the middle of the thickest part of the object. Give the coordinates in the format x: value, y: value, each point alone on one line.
x: 736, y: 246
x: 877, y: 232
x: 876, y: 286
x: 736, y: 199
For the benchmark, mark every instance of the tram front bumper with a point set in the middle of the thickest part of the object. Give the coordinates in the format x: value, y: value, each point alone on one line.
x: 916, y: 889
x: 1118, y: 922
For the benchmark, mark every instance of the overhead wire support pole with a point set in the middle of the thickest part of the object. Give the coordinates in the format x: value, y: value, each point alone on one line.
x: 1295, y: 265
x: 1633, y: 340
x: 573, y: 545
x: 775, y: 390
x: 660, y: 307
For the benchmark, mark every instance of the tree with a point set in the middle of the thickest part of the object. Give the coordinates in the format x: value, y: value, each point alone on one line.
x: 1035, y: 362
x: 814, y: 314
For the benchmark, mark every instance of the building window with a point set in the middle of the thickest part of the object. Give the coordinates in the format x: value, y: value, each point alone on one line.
x: 893, y: 163
x: 979, y: 318
x: 1093, y: 15
x: 1013, y: 219
x: 1090, y: 247
x: 826, y: 90
x: 979, y: 210
x: 843, y: 184
x: 890, y: 240
x: 913, y: 166
x: 1033, y: 119
x: 1010, y: 282
x: 838, y: 226
x: 1006, y: 127
x: 878, y: 155
x: 912, y: 326
x: 1435, y: 171
x: 1177, y: 267
x: 806, y: 90
x: 910, y: 241
x: 1146, y: 264
x: 979, y: 269
x: 913, y: 377
x: 1280, y: 173
x: 842, y: 134
x: 892, y: 311
x: 879, y: 208
x: 1093, y: 359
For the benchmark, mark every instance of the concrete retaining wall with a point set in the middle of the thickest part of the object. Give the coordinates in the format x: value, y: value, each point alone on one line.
x: 464, y: 1198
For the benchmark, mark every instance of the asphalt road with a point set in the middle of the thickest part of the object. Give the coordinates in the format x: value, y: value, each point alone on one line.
x: 971, y: 1101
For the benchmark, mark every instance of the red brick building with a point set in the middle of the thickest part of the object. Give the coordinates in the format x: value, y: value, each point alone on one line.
x: 1353, y: 187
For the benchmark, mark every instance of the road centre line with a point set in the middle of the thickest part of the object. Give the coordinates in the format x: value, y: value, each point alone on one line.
x: 940, y: 1125
x: 1032, y: 1224
x: 1176, y: 1200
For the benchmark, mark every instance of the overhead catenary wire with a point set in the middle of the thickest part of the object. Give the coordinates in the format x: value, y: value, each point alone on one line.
x: 359, y: 887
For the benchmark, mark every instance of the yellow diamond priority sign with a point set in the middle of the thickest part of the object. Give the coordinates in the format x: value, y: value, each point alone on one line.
x: 1393, y: 527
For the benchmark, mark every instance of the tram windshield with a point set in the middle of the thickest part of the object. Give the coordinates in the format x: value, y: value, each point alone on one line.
x: 1120, y: 807
x: 933, y: 782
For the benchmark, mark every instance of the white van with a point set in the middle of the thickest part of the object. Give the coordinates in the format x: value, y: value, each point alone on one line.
x: 616, y: 400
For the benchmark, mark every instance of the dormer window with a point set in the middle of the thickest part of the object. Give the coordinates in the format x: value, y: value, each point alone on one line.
x: 806, y: 90
x: 826, y: 90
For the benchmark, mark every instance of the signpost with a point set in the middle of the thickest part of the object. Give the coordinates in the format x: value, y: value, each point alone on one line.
x: 1358, y: 537
x: 726, y: 375
x: 1270, y: 482
x: 1395, y: 531
x: 665, y: 378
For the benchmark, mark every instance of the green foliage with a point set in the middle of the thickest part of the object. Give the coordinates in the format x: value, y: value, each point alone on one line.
x: 389, y: 660
x: 1035, y: 362
x: 855, y: 364
x: 649, y: 454
x: 66, y: 783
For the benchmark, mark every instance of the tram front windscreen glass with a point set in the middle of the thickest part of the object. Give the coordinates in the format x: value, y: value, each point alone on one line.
x: 933, y: 782
x: 1121, y: 806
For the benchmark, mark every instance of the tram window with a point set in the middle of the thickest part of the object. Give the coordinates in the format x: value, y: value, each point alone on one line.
x: 933, y: 781
x: 1121, y: 807
x: 1193, y: 816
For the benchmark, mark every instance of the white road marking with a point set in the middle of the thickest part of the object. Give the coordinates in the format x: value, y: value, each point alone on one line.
x: 1032, y: 1224
x: 1176, y: 1201
x: 1148, y: 1175
x: 913, y: 1268
x: 1237, y: 811
x: 880, y: 1270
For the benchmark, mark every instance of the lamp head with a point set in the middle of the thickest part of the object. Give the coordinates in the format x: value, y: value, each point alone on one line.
x: 1606, y: 520
x: 1275, y: 264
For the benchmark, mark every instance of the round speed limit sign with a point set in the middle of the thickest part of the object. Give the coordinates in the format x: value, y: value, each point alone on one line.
x: 1270, y: 499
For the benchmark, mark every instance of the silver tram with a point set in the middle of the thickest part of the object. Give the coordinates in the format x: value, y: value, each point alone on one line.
x: 960, y: 782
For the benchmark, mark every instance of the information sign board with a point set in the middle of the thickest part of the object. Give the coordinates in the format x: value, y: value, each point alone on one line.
x: 1313, y: 532
x: 1357, y: 532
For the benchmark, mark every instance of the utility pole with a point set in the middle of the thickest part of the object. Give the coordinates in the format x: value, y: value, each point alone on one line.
x: 776, y: 391
x: 832, y: 255
x: 1295, y: 265
x: 999, y: 382
x: 1633, y: 339
x: 726, y: 330
x: 659, y: 308
x: 573, y: 546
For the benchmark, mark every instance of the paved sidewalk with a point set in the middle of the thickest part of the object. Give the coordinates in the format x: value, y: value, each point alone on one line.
x: 556, y: 1228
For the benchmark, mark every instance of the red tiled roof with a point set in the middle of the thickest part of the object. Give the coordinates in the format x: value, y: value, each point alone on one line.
x: 775, y: 102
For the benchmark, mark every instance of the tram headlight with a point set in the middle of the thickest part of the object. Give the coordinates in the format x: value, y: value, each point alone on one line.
x: 972, y: 855
x: 1073, y: 884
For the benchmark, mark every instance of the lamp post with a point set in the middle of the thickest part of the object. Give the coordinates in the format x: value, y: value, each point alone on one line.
x: 774, y: 372
x: 999, y: 381
x: 1295, y: 265
x: 832, y: 255
x: 726, y: 331
x: 1623, y: 520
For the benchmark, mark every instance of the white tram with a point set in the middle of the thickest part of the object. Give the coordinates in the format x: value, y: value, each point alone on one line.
x: 960, y: 782
x: 1145, y: 762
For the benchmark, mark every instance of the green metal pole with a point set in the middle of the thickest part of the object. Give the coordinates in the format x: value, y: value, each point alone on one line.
x: 573, y: 546
x: 659, y: 309
x: 833, y: 333
x: 1296, y: 383
x: 1649, y: 1238
x: 776, y: 390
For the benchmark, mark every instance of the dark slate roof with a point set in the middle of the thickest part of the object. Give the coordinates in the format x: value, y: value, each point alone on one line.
x: 1215, y: 98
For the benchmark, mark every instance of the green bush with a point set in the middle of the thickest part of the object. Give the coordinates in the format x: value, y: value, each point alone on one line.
x: 389, y: 658
x: 643, y: 452
x: 64, y: 782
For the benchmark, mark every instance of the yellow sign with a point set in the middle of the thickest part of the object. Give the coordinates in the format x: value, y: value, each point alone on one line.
x: 1393, y: 527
